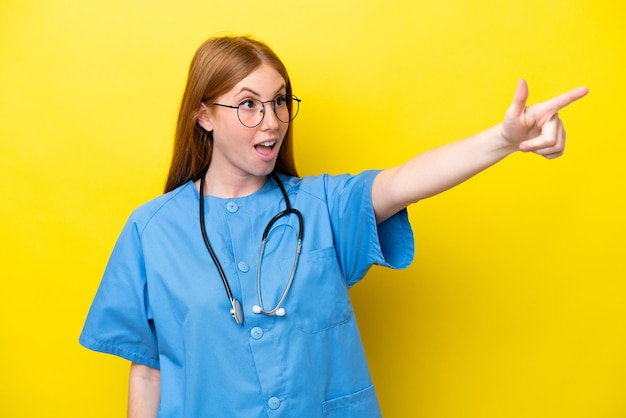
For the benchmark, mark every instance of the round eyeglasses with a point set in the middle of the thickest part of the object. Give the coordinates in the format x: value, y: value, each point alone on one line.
x: 252, y: 111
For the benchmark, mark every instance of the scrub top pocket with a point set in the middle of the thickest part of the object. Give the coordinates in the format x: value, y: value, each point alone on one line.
x: 362, y: 404
x: 319, y: 296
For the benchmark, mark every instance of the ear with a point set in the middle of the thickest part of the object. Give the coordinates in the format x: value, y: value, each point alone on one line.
x: 204, y: 118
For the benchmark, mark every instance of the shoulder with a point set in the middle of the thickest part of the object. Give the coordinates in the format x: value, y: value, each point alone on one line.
x: 166, y: 206
x: 323, y: 185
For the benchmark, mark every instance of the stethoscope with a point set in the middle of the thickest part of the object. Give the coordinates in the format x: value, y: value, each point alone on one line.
x: 235, y: 309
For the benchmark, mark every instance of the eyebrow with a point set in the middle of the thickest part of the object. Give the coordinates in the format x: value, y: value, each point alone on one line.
x: 248, y: 89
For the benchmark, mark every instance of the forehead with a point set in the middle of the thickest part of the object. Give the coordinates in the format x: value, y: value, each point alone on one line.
x: 264, y: 80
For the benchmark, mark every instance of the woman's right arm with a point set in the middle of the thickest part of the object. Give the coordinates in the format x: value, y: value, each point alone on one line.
x: 144, y: 391
x: 535, y: 128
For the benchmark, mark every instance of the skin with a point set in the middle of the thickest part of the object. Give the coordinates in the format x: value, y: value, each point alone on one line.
x: 239, y: 164
x: 536, y: 129
x: 144, y: 391
x: 239, y: 167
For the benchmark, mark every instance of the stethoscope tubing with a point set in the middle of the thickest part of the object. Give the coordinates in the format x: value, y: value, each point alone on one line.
x: 236, y: 310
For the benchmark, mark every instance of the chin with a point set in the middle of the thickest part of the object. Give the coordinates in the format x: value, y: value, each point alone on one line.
x: 262, y: 172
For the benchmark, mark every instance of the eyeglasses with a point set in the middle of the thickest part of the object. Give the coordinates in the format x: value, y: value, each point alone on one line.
x: 252, y: 111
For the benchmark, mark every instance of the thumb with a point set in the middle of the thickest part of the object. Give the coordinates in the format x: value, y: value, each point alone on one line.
x: 519, y: 99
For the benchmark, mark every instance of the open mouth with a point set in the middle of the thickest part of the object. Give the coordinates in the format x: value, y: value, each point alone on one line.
x: 266, y: 147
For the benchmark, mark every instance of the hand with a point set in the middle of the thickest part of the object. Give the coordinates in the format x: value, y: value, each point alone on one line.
x: 537, y: 128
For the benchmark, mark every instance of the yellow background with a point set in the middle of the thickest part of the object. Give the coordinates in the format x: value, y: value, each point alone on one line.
x: 515, y: 304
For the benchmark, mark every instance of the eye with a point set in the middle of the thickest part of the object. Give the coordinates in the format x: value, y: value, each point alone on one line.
x: 250, y: 104
x: 280, y: 101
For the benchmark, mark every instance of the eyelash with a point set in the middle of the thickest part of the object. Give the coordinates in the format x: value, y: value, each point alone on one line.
x: 250, y: 99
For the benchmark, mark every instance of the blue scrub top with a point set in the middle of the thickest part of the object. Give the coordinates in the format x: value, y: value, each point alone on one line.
x: 161, y: 302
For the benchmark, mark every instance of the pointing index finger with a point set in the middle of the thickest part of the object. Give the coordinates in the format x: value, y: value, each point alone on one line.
x: 559, y: 102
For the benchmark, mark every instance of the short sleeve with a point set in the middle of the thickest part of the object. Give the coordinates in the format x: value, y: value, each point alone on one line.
x: 119, y: 321
x: 359, y: 240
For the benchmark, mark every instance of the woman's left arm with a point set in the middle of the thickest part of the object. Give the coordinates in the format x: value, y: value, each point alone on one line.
x: 536, y: 128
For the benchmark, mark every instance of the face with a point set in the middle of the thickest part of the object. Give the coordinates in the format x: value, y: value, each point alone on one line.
x: 239, y: 150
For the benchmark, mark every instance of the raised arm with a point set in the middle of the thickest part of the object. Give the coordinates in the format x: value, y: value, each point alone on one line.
x: 535, y: 128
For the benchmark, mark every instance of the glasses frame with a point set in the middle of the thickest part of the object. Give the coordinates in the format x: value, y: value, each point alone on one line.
x: 287, y: 97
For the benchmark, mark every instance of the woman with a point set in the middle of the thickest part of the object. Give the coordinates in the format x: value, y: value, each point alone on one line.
x: 229, y: 293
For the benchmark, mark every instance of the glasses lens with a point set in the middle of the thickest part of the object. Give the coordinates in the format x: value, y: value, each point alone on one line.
x: 250, y: 112
x: 292, y: 103
x: 281, y: 109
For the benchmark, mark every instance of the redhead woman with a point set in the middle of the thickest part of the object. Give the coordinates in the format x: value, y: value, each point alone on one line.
x: 229, y: 293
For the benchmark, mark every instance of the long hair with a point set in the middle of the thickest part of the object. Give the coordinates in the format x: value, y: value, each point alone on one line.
x: 218, y: 65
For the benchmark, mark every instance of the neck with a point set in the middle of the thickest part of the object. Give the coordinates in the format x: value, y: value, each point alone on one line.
x: 219, y: 185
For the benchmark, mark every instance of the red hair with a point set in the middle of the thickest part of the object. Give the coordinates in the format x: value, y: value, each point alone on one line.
x: 218, y: 65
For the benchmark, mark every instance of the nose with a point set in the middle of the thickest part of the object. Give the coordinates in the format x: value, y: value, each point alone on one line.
x: 270, y: 120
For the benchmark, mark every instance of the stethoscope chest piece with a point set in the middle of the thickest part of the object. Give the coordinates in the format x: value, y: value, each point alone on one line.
x: 236, y: 311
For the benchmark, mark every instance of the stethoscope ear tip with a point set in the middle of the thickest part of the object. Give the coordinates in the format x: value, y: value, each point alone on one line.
x: 278, y: 312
